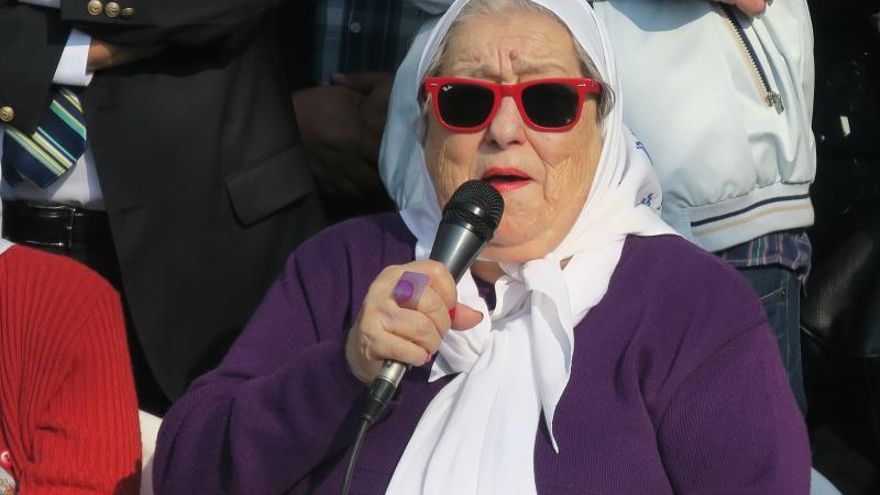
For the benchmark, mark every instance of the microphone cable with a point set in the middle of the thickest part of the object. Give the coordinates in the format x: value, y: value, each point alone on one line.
x: 375, y: 402
x: 355, y: 450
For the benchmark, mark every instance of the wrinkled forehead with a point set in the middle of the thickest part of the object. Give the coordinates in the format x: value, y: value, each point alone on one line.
x: 521, y: 43
x: 576, y: 15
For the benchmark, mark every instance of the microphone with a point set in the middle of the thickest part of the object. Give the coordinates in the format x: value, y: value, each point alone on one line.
x: 468, y: 223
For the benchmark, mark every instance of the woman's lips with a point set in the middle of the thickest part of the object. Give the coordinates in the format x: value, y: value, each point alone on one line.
x: 506, y: 179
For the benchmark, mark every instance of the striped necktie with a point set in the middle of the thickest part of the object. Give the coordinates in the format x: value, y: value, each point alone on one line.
x: 58, y: 143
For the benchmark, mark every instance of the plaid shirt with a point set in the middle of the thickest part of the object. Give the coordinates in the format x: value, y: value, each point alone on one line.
x: 363, y: 35
x: 790, y: 249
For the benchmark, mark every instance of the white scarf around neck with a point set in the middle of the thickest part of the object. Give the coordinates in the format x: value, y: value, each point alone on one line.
x: 477, y: 436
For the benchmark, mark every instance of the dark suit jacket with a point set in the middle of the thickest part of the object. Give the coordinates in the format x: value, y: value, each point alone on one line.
x: 204, y: 177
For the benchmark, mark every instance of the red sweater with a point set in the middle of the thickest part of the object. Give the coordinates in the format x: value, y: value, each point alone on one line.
x: 68, y: 411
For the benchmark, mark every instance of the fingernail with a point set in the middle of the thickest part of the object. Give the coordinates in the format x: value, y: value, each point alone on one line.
x: 403, y: 291
x: 452, y: 314
x: 427, y: 357
x: 409, y: 289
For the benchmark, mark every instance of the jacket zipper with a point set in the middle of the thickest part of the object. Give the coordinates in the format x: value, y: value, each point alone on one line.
x: 772, y: 98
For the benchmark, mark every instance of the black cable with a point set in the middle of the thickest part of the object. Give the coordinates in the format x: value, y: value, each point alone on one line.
x: 374, y: 405
x: 349, y: 471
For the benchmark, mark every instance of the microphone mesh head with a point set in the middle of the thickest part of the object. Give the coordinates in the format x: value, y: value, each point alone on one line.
x: 477, y: 203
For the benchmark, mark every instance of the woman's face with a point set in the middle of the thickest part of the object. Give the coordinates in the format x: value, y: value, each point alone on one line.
x: 557, y: 167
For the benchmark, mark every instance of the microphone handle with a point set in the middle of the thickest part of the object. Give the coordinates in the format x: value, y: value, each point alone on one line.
x: 383, y: 389
x: 456, y: 246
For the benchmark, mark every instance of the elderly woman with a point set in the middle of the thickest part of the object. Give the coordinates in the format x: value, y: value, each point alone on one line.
x: 583, y: 360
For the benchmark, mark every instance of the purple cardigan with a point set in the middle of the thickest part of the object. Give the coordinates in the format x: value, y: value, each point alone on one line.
x: 677, y: 385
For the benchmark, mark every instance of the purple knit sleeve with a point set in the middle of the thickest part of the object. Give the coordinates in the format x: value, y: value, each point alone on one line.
x: 280, y: 403
x: 733, y: 426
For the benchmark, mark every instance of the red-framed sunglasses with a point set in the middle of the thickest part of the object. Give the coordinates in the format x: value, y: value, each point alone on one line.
x: 547, y: 105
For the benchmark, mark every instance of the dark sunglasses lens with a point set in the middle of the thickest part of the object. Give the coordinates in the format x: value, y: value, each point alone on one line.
x: 550, y: 104
x: 464, y: 105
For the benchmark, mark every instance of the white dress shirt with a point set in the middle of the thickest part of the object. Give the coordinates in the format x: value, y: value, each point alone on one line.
x: 79, y: 186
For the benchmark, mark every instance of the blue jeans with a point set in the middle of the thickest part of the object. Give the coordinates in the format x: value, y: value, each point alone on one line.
x: 779, y: 291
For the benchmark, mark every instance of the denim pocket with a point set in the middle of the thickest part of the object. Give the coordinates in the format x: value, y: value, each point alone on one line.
x: 777, y: 288
x: 776, y: 295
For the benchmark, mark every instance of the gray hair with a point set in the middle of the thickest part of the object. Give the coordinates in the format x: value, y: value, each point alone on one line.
x: 478, y: 9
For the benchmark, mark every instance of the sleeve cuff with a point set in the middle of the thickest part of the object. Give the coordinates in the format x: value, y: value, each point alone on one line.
x: 52, y: 4
x: 71, y: 70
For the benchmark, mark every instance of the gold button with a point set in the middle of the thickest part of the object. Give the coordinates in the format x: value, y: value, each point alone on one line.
x: 7, y: 114
x: 127, y: 13
x: 95, y: 7
x: 111, y: 9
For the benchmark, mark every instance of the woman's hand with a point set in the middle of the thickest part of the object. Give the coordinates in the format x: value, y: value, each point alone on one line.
x: 750, y: 7
x: 393, y: 326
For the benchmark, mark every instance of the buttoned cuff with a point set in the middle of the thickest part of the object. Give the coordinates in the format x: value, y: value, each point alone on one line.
x: 72, y: 68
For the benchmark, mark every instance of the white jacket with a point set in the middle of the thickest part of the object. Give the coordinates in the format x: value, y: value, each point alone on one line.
x: 733, y: 167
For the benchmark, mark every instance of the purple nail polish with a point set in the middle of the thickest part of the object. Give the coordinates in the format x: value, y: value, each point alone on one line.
x: 403, y: 291
x: 409, y: 289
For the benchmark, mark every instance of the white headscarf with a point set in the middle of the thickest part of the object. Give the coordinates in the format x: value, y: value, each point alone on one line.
x: 477, y: 435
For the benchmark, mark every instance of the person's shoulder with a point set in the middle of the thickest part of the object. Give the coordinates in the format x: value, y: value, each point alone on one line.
x: 360, y: 232
x: 61, y: 293
x: 678, y: 277
x: 373, y: 239
x: 54, y: 273
x: 369, y: 226
x: 665, y: 258
x: 686, y: 307
x: 666, y: 250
